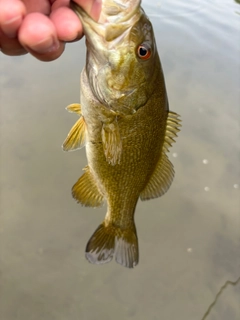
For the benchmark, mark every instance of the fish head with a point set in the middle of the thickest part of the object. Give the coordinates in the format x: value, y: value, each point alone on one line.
x: 122, y: 58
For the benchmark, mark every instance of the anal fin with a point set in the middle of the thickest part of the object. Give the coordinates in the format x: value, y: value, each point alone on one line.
x: 112, y: 143
x: 86, y: 191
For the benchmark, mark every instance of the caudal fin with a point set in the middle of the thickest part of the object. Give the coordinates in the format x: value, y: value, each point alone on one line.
x: 108, y: 241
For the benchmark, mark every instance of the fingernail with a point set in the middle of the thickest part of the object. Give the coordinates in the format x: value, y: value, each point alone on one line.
x: 46, y: 45
x: 11, y: 26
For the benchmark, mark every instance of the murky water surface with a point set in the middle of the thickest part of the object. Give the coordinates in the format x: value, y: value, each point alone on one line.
x: 189, y: 239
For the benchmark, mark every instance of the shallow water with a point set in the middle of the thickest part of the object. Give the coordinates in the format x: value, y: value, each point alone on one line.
x: 189, y: 239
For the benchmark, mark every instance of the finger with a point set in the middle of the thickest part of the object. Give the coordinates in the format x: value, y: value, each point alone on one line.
x: 48, y: 56
x: 43, y: 6
x: 11, y: 16
x: 10, y: 46
x: 38, y: 35
x: 92, y: 7
x: 67, y: 24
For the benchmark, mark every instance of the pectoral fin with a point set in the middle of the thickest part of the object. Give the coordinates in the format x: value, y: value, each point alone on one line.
x: 112, y: 143
x: 86, y: 191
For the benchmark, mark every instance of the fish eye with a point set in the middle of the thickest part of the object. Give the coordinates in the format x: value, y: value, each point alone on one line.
x: 144, y: 51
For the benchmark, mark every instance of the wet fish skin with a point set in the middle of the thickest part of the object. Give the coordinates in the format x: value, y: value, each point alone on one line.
x: 126, y: 126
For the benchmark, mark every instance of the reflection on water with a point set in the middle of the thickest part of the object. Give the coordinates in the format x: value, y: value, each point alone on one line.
x: 189, y: 239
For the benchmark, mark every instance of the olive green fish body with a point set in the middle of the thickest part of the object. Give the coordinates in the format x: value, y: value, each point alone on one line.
x: 126, y: 127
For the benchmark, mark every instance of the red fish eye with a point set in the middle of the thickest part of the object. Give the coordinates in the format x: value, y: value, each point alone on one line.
x: 144, y: 52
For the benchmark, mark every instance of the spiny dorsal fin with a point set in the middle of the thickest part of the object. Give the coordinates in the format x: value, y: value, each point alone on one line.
x: 74, y: 108
x: 109, y: 240
x: 76, y: 137
x: 112, y: 143
x: 160, y: 181
x: 86, y: 191
x: 172, y: 128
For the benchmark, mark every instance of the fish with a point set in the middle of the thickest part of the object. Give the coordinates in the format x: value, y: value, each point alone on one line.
x: 125, y: 125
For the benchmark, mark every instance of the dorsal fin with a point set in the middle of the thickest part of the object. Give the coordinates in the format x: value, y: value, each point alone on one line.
x: 86, y: 191
x: 160, y: 181
x: 172, y: 128
x: 163, y: 175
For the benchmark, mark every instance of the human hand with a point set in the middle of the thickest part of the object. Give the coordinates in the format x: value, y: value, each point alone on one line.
x: 41, y: 27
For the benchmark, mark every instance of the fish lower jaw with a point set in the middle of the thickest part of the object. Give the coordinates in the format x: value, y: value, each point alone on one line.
x: 115, y: 10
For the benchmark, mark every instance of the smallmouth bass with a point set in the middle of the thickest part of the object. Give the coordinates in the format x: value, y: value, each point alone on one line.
x: 125, y: 124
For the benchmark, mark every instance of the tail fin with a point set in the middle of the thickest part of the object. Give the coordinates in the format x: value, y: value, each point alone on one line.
x: 109, y: 240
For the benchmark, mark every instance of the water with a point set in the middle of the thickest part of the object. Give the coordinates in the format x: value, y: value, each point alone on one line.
x: 189, y: 239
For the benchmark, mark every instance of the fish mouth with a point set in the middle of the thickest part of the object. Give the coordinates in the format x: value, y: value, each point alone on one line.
x: 116, y: 17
